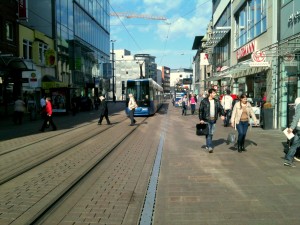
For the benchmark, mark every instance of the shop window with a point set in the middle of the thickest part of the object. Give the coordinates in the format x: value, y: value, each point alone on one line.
x: 250, y: 21
x: 27, y: 49
x: 42, y: 48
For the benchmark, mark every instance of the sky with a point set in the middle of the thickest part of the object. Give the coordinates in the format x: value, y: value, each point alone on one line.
x: 171, y: 40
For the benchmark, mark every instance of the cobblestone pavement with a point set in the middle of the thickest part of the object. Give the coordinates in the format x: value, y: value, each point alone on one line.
x: 225, y: 187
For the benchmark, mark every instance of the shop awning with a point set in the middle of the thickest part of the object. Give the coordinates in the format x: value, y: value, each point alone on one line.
x: 49, y: 81
x: 8, y: 62
x: 219, y: 77
x: 241, y: 69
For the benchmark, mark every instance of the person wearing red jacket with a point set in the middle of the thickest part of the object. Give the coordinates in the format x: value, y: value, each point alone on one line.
x: 48, y: 117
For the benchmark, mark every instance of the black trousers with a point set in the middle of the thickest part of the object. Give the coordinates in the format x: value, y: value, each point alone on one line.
x: 101, y: 118
x: 131, y: 116
x: 46, y: 120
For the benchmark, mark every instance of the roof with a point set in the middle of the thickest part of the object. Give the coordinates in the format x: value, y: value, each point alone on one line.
x: 197, y: 42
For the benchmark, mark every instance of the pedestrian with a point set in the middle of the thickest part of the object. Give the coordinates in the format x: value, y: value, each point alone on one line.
x: 295, y: 128
x: 103, y: 111
x: 96, y: 102
x: 193, y: 102
x: 132, y: 106
x: 48, y: 117
x: 209, y: 110
x: 227, y: 105
x: 237, y: 99
x: 184, y: 104
x: 42, y: 106
x: 173, y: 101
x: 74, y: 105
x: 240, y: 119
x: 19, y: 110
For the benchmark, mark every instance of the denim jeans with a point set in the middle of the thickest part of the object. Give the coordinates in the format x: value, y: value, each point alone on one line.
x: 211, y: 129
x: 296, y: 143
x: 242, y: 128
x: 227, y: 117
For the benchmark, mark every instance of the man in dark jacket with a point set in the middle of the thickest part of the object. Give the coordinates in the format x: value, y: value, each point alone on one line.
x: 209, y: 110
x: 103, y: 111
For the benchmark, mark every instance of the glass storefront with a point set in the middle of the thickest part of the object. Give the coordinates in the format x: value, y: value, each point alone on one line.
x: 290, y: 89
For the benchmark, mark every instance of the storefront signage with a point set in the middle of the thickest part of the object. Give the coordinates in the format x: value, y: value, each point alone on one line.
x: 258, y: 56
x: 22, y: 10
x: 50, y: 57
x: 245, y: 50
x: 259, y: 64
x: 289, y: 57
x: 204, y: 59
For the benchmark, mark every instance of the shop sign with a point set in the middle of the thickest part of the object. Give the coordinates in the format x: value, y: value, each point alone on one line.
x: 50, y: 57
x: 292, y: 79
x: 259, y: 64
x: 204, y: 59
x: 245, y: 50
x: 258, y: 56
x: 289, y: 57
x: 22, y: 10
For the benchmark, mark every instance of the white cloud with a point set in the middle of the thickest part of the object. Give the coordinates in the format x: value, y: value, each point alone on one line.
x: 187, y: 27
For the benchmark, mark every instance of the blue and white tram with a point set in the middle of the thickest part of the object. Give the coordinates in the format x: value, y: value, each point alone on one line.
x: 148, y: 94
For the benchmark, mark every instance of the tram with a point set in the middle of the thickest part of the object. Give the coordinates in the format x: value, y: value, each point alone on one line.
x: 148, y: 94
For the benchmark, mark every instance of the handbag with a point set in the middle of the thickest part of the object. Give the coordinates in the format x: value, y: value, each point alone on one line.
x: 201, y: 129
x: 231, y: 138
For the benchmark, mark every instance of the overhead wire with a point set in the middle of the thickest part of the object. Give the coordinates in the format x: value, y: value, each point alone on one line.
x: 174, y: 20
x: 125, y: 27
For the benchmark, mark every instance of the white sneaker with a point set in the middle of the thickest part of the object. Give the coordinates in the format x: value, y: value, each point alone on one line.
x: 210, y: 150
x: 289, y: 164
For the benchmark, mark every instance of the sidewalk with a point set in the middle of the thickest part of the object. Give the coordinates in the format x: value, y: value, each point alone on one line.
x: 224, y: 187
x: 10, y: 130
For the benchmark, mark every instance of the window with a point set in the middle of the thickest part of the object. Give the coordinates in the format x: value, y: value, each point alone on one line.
x: 42, y: 48
x: 27, y: 49
x: 9, y: 31
x: 250, y: 21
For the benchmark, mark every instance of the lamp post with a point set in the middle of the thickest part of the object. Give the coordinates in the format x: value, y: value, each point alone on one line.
x: 113, y: 68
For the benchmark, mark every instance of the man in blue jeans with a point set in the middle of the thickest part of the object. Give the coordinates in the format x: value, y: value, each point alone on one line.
x: 209, y: 111
x: 295, y: 126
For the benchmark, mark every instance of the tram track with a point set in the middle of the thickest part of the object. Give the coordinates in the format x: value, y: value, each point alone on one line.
x: 114, y: 191
x: 59, y: 173
x: 7, y: 147
x: 43, y: 149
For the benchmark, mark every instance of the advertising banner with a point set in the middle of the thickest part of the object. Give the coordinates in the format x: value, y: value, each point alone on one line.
x: 204, y: 59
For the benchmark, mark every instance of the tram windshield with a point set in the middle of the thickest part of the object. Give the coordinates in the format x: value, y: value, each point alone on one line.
x: 140, y: 91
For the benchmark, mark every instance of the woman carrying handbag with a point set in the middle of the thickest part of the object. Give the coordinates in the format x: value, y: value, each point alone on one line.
x: 240, y: 119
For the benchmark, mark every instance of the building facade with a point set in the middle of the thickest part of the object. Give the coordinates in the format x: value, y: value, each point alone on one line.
x: 63, y: 45
x: 129, y: 66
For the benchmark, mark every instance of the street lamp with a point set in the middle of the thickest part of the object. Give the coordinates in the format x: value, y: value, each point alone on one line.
x: 113, y: 68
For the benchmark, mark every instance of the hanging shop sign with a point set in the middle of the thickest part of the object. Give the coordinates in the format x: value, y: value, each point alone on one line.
x: 259, y: 59
x: 22, y: 10
x: 289, y: 57
x: 204, y: 59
